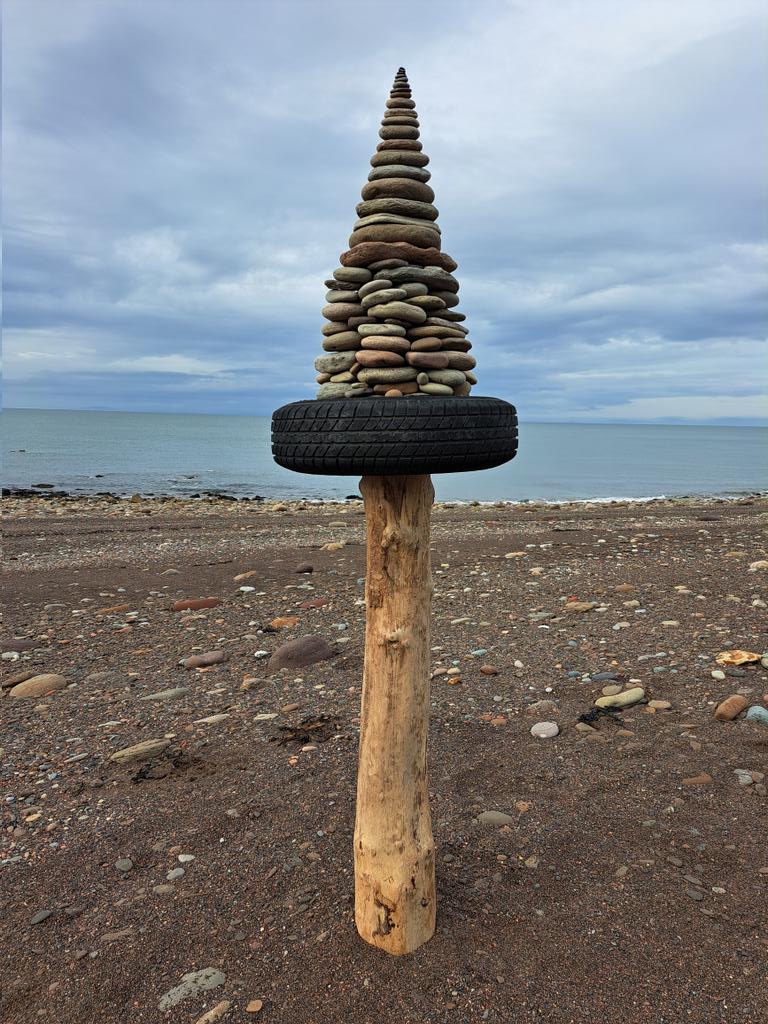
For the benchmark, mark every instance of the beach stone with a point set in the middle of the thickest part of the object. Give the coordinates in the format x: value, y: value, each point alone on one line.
x: 334, y: 362
x: 38, y: 686
x: 495, y: 818
x: 403, y: 145
x: 431, y: 276
x: 398, y: 131
x: 399, y: 171
x: 192, y: 984
x: 624, y: 699
x: 382, y: 330
x: 435, y: 389
x: 203, y: 660
x: 368, y: 252
x: 397, y: 188
x: 732, y: 706
x: 397, y: 218
x: 385, y: 295
x: 171, y: 694
x: 341, y: 311
x: 393, y: 157
x: 332, y: 391
x: 611, y: 690
x: 421, y: 237
x: 342, y: 342
x: 429, y: 303
x: 374, y: 286
x: 397, y: 102
x: 22, y: 677
x: 450, y: 298
x: 379, y: 358
x: 336, y: 296
x: 545, y: 730
x: 40, y: 916
x: 305, y: 650
x: 196, y: 604
x: 385, y: 264
x: 342, y: 378
x: 124, y: 865
x: 386, y: 344
x: 357, y: 275
x: 461, y: 361
x: 403, y: 207
x: 387, y: 375
x: 757, y: 714
x: 333, y: 328
x: 449, y: 377
x: 415, y: 290
x: 428, y: 360
x: 399, y: 311
x: 426, y: 344
x: 143, y: 751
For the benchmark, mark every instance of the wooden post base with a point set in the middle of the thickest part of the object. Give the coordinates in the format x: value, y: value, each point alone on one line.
x: 394, y: 850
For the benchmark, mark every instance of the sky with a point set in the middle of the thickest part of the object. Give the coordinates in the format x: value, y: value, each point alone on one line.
x: 180, y: 177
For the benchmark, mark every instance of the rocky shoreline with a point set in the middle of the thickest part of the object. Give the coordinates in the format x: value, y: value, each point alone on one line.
x: 178, y: 767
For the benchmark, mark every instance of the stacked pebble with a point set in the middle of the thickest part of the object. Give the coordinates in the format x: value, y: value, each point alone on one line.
x: 393, y: 328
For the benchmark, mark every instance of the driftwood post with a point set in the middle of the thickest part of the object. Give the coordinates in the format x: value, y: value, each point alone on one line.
x: 394, y: 850
x: 394, y: 406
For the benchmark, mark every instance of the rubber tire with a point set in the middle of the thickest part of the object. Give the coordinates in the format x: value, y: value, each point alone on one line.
x: 394, y: 436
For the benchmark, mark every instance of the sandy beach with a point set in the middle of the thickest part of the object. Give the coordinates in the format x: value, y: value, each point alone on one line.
x: 622, y: 878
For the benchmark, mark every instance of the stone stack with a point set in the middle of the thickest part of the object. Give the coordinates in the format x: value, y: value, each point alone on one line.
x: 393, y: 328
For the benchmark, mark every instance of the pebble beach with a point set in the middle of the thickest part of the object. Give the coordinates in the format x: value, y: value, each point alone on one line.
x: 180, y: 697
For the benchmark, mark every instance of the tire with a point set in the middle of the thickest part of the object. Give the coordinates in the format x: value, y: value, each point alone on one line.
x: 394, y: 436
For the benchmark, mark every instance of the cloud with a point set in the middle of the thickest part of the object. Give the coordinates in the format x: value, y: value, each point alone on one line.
x: 177, y: 188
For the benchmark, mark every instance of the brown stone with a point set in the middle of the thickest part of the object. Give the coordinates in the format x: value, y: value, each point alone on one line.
x: 305, y: 650
x: 39, y: 686
x: 203, y: 660
x: 398, y: 131
x: 456, y: 345
x: 398, y: 102
x: 703, y: 779
x: 196, y: 604
x: 333, y: 328
x: 402, y: 207
x: 397, y: 188
x: 426, y: 344
x: 732, y: 706
x: 428, y: 360
x: 114, y: 609
x: 430, y: 331
x: 369, y: 252
x: 400, y: 145
x: 460, y: 361
x: 342, y: 342
x: 341, y: 310
x: 371, y: 357
x: 399, y: 158
x: 387, y: 344
x: 422, y: 237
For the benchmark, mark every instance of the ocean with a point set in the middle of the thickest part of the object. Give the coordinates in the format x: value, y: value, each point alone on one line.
x: 164, y: 454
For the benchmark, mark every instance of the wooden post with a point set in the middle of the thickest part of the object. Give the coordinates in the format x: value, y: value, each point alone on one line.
x: 394, y: 849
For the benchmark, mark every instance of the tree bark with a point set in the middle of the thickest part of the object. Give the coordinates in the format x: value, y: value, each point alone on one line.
x: 394, y: 849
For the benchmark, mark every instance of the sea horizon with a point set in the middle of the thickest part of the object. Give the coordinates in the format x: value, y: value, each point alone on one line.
x: 192, y: 454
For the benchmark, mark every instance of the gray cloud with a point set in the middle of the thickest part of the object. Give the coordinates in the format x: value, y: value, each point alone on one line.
x: 178, y: 187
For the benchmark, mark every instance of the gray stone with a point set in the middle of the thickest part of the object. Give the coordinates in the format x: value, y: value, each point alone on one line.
x: 192, y: 984
x: 399, y: 171
x: 387, y: 375
x: 374, y: 286
x: 174, y: 874
x: 342, y: 342
x: 40, y: 916
x: 394, y: 218
x: 298, y: 653
x: 143, y: 751
x: 433, y: 277
x: 172, y: 694
x: 337, y: 296
x: 385, y: 295
x: 357, y: 275
x: 449, y: 377
x: 495, y: 818
x: 368, y: 330
x: 332, y: 391
x: 125, y: 864
x: 403, y: 207
x: 757, y: 714
x: 334, y: 362
x: 399, y: 311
